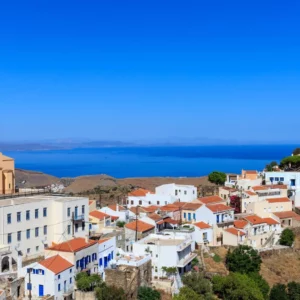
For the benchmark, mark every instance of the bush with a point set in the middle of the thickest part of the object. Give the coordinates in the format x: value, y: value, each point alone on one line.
x: 121, y: 224
x: 236, y: 286
x: 217, y: 258
x: 287, y: 237
x: 87, y: 282
x: 261, y: 283
x: 147, y: 293
x: 186, y: 293
x: 109, y: 293
x: 290, y: 161
x: 244, y: 260
x: 216, y: 177
x: 293, y: 290
x: 278, y: 292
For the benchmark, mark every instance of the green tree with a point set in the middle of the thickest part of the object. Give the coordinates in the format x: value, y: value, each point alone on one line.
x: 271, y: 165
x: 120, y: 224
x: 243, y: 259
x: 287, y: 237
x: 85, y: 282
x: 290, y: 162
x: 198, y: 284
x: 261, y: 283
x: 278, y: 292
x: 147, y: 293
x: 109, y: 293
x: 216, y: 177
x: 293, y: 290
x: 236, y: 286
x: 187, y: 293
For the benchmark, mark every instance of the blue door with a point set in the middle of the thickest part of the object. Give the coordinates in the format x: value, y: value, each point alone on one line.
x: 218, y: 218
x: 41, y: 290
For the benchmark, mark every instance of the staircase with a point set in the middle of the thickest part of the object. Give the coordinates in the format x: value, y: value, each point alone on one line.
x: 269, y: 239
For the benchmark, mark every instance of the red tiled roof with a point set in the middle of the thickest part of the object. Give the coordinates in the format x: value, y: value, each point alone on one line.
x: 114, y: 218
x: 114, y: 207
x: 254, y: 219
x: 286, y: 214
x: 56, y: 264
x: 140, y: 226
x: 151, y: 208
x: 73, y: 245
x: 234, y: 231
x: 192, y: 206
x: 250, y: 193
x: 270, y: 221
x: 169, y: 207
x: 276, y: 200
x: 211, y: 199
x: 179, y: 204
x: 139, y: 193
x: 171, y: 221
x: 99, y: 215
x: 240, y: 224
x: 251, y: 172
x: 268, y: 187
x: 154, y: 217
x: 202, y: 225
x: 227, y: 188
x: 218, y: 207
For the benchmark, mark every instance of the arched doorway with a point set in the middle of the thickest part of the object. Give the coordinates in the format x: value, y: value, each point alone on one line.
x: 5, y: 264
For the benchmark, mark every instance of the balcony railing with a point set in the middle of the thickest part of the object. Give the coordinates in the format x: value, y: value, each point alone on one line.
x: 5, y: 250
x: 184, y: 261
x: 79, y: 217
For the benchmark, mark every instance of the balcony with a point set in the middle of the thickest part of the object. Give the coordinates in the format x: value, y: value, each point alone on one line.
x: 186, y: 260
x: 79, y: 218
x: 5, y: 250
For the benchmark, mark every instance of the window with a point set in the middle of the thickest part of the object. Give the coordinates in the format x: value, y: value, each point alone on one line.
x: 157, y: 202
x: 132, y: 202
x: 18, y: 216
x: 8, y: 218
x: 28, y: 233
x: 36, y: 213
x: 27, y: 215
x: 8, y: 238
x: 282, y: 179
x: 83, y: 226
x: 204, y: 236
x: 58, y: 276
x: 193, y: 192
x: 37, y: 248
x: 28, y: 250
x: 45, y: 212
x: 189, y: 216
x: 83, y: 209
x: 185, y: 192
x: 271, y: 179
x: 100, y: 261
x: 76, y: 227
x: 176, y: 192
x: 19, y: 236
x: 184, y: 215
x: 69, y: 229
x: 276, y: 178
x: 70, y: 270
x: 36, y: 231
x: 71, y: 280
x: 45, y: 230
x: 59, y: 287
x: 194, y: 216
x: 69, y: 212
x: 140, y: 202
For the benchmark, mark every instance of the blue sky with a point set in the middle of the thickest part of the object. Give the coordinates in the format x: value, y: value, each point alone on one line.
x: 150, y: 70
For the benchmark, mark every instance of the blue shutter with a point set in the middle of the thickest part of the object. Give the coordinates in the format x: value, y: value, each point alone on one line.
x: 29, y: 286
x: 112, y: 254
x: 100, y: 262
x: 43, y: 272
x: 28, y: 270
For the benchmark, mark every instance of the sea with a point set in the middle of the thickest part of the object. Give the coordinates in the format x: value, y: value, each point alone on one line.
x: 170, y: 161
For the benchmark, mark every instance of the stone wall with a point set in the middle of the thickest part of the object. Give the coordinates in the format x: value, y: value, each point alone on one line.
x: 129, y: 278
x: 79, y: 295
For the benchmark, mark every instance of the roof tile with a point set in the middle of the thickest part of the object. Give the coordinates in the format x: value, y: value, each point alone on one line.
x: 139, y: 226
x: 56, y: 264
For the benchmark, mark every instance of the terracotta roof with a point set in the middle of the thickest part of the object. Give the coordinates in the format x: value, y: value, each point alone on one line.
x: 99, y: 215
x: 171, y: 221
x: 192, y: 206
x: 218, y: 207
x: 56, y: 264
x: 250, y: 193
x: 202, y: 225
x: 276, y: 200
x: 101, y: 241
x: 114, y: 207
x: 270, y: 221
x: 155, y: 217
x: 211, y: 199
x: 151, y: 208
x: 169, y: 207
x: 73, y: 245
x: 139, y: 193
x: 268, y: 187
x: 90, y: 202
x: 234, y: 231
x: 287, y: 214
x: 114, y: 218
x: 179, y: 204
x: 240, y: 224
x: 140, y: 226
x: 254, y: 219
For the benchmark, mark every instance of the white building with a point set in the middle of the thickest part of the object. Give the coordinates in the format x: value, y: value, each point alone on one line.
x: 171, y: 250
x: 106, y: 253
x: 52, y: 276
x: 183, y: 193
x: 29, y: 224
x: 117, y: 210
x: 203, y: 233
x: 80, y: 252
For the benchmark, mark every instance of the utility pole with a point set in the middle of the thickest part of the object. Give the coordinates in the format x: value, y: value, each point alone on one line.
x: 29, y: 295
x: 73, y: 224
x: 136, y: 223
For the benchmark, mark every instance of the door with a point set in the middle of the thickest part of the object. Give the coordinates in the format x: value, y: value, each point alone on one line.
x: 41, y: 290
x: 105, y: 261
x: 218, y: 218
x: 65, y: 286
x: 76, y: 212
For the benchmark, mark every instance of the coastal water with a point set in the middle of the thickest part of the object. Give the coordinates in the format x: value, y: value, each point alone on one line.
x: 150, y: 161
